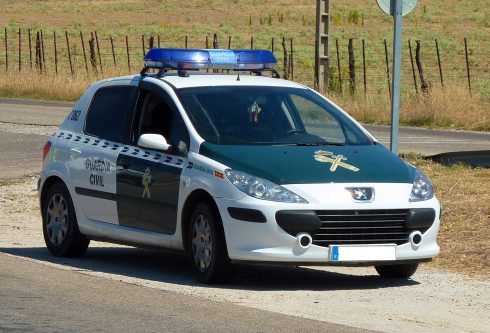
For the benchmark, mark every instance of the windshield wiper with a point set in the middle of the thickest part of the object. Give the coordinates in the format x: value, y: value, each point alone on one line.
x: 301, y: 144
x: 319, y: 144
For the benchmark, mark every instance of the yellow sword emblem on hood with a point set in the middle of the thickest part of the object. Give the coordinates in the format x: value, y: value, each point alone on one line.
x: 336, y: 160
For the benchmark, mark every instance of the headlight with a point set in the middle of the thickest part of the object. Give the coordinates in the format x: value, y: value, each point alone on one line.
x: 261, y: 189
x: 422, y: 188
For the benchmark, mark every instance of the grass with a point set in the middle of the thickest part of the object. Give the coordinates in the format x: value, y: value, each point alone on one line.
x: 446, y: 108
x: 449, y: 22
x: 465, y: 200
x: 10, y: 182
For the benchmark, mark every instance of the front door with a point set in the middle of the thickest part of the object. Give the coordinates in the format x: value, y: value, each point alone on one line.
x: 148, y: 181
x: 148, y: 189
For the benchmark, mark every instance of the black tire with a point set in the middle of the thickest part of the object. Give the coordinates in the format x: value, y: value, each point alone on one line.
x: 61, y: 233
x: 401, y: 271
x: 217, y: 269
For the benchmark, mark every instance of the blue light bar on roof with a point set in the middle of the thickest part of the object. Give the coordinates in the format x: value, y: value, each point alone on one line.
x: 186, y: 59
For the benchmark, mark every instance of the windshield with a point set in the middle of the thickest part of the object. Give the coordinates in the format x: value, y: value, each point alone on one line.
x: 268, y: 116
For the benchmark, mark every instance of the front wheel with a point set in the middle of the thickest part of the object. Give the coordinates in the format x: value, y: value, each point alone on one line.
x: 207, y: 246
x: 60, y: 227
x: 401, y: 271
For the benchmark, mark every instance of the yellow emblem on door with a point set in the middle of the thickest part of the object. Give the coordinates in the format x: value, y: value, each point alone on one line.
x: 146, y: 183
x: 336, y: 160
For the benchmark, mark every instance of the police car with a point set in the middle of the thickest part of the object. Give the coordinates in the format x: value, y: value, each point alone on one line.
x: 231, y: 166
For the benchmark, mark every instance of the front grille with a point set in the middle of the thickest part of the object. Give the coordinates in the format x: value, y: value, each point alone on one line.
x: 379, y: 226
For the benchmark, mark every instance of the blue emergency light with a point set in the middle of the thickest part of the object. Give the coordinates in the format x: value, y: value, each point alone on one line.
x: 188, y: 59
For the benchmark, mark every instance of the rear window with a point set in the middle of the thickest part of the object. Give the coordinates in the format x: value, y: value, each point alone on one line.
x: 108, y: 112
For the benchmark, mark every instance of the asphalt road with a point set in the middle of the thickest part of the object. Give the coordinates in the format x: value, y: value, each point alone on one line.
x: 37, y: 298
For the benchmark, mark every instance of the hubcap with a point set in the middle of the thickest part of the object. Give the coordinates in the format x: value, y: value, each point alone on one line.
x: 202, y: 243
x: 57, y: 219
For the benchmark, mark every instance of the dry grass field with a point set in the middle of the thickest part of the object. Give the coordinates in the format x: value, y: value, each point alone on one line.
x: 443, y: 108
x: 450, y: 22
x: 464, y: 237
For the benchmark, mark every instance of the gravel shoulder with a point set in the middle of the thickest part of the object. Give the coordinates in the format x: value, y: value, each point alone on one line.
x: 431, y: 301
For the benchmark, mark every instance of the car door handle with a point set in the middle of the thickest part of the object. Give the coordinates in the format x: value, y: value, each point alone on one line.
x: 124, y: 162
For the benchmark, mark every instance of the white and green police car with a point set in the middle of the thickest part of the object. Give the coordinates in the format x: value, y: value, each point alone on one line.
x: 231, y: 168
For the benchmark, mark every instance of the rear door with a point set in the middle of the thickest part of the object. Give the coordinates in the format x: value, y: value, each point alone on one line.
x: 93, y: 166
x: 148, y: 180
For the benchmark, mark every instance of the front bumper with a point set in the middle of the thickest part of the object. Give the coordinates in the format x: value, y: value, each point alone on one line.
x: 268, y: 242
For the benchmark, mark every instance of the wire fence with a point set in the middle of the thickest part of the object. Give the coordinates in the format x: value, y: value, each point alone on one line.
x: 366, y: 68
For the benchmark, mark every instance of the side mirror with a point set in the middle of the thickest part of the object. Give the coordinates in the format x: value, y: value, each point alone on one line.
x: 153, y: 141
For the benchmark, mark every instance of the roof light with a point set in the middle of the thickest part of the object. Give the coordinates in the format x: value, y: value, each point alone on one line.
x: 186, y: 59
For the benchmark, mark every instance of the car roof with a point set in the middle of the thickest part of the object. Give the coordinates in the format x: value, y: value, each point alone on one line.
x: 207, y: 80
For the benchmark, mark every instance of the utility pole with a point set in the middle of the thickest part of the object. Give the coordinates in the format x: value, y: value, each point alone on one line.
x: 397, y: 8
x: 321, y: 45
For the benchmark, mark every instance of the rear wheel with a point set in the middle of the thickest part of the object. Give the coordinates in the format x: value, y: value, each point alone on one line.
x: 401, y: 271
x: 60, y: 227
x: 207, y: 246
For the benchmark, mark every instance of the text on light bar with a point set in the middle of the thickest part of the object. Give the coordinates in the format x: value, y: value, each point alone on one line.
x: 186, y: 59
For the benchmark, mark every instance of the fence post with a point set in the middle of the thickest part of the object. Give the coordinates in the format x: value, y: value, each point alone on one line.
x: 286, y: 74
x: 39, y: 59
x: 84, y: 53
x: 69, y: 53
x: 158, y: 41
x: 272, y: 45
x: 229, y: 42
x: 424, y: 86
x: 98, y: 51
x: 364, y: 66
x: 185, y: 41
x: 93, y: 60
x: 413, y: 67
x: 20, y: 51
x: 6, y: 52
x: 30, y: 47
x: 439, y: 63
x: 352, y: 67
x: 113, y: 53
x: 143, y: 44
x: 251, y: 42
x: 207, y: 47
x: 291, y: 61
x: 151, y: 42
x: 387, y: 68
x: 467, y: 64
x: 338, y: 63
x: 42, y: 51
x: 127, y: 52
x: 55, y: 53
x: 215, y: 46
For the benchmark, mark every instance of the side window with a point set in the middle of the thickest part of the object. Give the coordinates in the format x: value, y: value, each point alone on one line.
x: 155, y: 115
x: 108, y: 112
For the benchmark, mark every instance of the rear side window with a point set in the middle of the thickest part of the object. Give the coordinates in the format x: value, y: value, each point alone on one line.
x: 109, y: 111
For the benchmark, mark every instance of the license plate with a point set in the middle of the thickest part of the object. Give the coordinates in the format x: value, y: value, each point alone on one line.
x: 362, y: 252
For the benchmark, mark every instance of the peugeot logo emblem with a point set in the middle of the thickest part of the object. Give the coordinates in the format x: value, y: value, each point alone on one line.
x: 361, y: 194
